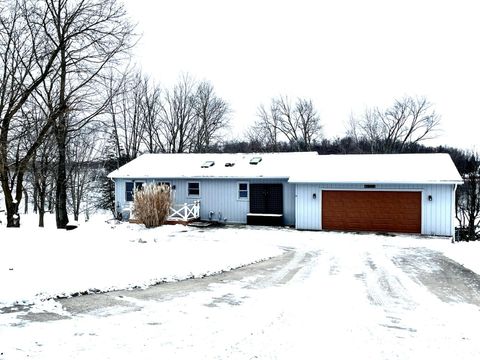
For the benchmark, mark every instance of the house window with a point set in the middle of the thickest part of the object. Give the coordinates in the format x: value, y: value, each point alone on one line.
x: 129, y: 191
x: 129, y: 186
x: 242, y: 191
x: 138, y: 185
x: 193, y: 189
x: 165, y: 183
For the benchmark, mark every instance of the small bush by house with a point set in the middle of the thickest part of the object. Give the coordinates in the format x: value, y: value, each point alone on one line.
x: 152, y: 204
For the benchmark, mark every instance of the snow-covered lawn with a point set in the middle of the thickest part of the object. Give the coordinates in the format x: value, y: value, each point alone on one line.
x: 334, y: 295
x: 101, y: 255
x: 36, y: 264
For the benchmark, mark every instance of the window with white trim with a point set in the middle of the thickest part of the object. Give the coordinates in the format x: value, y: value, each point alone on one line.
x: 242, y: 191
x: 193, y: 189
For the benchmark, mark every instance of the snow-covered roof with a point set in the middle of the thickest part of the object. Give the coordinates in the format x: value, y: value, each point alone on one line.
x: 299, y: 167
x: 380, y: 169
x: 168, y: 166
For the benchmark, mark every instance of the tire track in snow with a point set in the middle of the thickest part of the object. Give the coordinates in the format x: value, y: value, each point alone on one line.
x: 386, y: 290
x: 448, y: 280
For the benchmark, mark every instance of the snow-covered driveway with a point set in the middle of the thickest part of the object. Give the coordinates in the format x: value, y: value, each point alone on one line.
x: 348, y: 296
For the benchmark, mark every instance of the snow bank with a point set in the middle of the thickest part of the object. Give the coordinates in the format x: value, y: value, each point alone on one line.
x: 37, y: 264
x: 465, y: 253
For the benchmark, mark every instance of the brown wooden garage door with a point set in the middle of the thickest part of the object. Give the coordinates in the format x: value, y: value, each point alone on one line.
x: 390, y: 211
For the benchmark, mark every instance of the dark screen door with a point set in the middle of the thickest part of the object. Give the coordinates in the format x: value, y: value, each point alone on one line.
x: 266, y: 198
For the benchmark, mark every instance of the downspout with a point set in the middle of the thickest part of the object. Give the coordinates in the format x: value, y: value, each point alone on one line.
x: 453, y: 211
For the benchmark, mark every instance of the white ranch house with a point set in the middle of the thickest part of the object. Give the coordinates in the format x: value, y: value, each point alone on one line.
x: 412, y: 193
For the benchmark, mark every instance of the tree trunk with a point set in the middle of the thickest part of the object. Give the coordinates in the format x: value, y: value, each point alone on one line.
x: 50, y: 202
x: 41, y: 204
x: 11, y: 202
x: 41, y: 216
x: 61, y: 214
x: 41, y: 213
x: 75, y: 201
x: 13, y: 220
x: 11, y: 209
x: 25, y: 196
x: 35, y: 199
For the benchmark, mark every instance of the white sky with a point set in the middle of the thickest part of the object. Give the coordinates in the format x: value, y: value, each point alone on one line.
x: 345, y: 55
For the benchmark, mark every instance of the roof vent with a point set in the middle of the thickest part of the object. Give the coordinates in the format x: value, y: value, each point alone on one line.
x: 228, y: 164
x: 208, y: 164
x: 255, y: 160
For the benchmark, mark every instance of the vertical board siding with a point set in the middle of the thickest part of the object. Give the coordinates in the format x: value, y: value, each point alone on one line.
x: 436, y: 214
x: 119, y: 189
x: 300, y: 209
x: 307, y: 215
x: 219, y: 196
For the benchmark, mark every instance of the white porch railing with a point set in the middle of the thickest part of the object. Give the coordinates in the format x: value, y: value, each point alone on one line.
x: 185, y: 212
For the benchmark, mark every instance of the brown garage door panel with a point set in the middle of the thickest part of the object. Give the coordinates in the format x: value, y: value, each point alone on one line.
x: 393, y: 211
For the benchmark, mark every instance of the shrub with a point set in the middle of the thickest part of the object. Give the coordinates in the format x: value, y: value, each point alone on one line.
x: 151, y: 204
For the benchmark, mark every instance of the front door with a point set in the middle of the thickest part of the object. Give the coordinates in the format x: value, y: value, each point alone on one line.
x: 266, y: 198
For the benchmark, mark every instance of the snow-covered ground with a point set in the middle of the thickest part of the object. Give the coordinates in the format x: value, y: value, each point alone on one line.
x: 331, y: 295
x: 37, y: 264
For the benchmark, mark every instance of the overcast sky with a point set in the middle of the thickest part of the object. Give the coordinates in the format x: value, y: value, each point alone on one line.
x: 345, y: 55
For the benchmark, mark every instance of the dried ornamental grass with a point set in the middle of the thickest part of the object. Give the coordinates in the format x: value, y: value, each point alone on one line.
x: 151, y: 205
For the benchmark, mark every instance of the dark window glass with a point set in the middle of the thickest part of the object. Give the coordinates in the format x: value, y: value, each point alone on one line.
x: 129, y: 191
x: 193, y: 189
x: 243, y: 191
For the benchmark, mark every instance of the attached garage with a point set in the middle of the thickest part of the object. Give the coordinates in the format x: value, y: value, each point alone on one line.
x: 390, y: 211
x: 400, y: 193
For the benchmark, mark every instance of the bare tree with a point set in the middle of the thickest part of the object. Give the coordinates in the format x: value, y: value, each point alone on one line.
x: 68, y: 41
x: 146, y: 118
x: 125, y: 109
x: 82, y: 171
x: 308, y: 123
x: 409, y: 120
x: 26, y: 59
x: 211, y: 116
x: 265, y: 131
x: 468, y: 200
x: 299, y: 124
x: 151, y: 108
x: 43, y: 173
x: 177, y: 118
x: 90, y: 35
